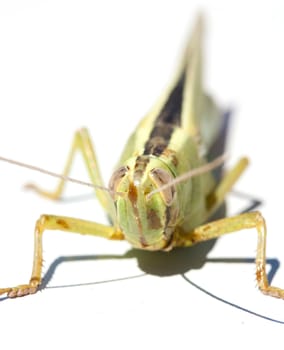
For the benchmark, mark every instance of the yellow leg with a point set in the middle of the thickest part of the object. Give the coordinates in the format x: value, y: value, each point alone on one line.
x: 216, y: 198
x: 228, y: 225
x: 52, y: 222
x: 82, y: 142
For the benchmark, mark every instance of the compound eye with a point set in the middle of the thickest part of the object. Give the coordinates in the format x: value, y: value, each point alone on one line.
x: 161, y: 177
x: 116, y: 178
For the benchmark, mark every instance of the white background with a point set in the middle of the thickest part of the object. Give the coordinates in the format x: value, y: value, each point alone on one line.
x: 66, y: 64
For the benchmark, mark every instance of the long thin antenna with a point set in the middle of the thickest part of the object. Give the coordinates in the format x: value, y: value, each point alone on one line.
x: 194, y: 172
x: 62, y: 177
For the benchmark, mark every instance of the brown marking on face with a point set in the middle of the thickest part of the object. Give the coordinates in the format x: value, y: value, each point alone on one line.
x: 139, y: 168
x: 168, y: 230
x: 132, y: 195
x: 116, y: 177
x: 210, y: 200
x: 171, y: 155
x: 153, y: 220
x: 62, y: 223
x: 161, y: 177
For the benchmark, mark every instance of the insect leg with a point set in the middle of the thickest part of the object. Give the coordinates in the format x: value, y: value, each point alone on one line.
x: 228, y: 225
x: 81, y: 142
x: 216, y: 198
x: 52, y: 222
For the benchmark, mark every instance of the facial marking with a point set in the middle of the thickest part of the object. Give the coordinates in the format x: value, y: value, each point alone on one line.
x: 153, y: 220
x: 116, y: 177
x: 139, y: 168
x: 161, y: 177
x: 133, y: 197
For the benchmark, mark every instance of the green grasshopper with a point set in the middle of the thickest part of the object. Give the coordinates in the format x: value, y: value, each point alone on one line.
x: 163, y: 191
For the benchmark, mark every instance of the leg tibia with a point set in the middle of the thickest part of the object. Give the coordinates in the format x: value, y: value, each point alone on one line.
x: 229, y: 225
x: 52, y: 222
x: 82, y: 143
x: 216, y: 198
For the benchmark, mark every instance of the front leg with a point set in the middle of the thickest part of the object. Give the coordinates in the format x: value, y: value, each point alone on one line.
x: 52, y: 222
x: 221, y: 227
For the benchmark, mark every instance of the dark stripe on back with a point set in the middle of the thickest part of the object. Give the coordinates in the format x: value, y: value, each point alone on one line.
x: 164, y: 126
x: 171, y: 112
x: 167, y: 120
x: 159, y: 139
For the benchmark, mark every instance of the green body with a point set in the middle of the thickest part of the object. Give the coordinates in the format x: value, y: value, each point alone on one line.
x: 171, y: 140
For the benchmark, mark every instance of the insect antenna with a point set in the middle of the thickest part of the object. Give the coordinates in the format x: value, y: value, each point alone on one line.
x: 59, y: 176
x: 191, y: 173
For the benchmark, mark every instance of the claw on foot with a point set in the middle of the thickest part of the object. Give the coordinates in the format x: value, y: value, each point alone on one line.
x: 39, y: 191
x: 21, y: 290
